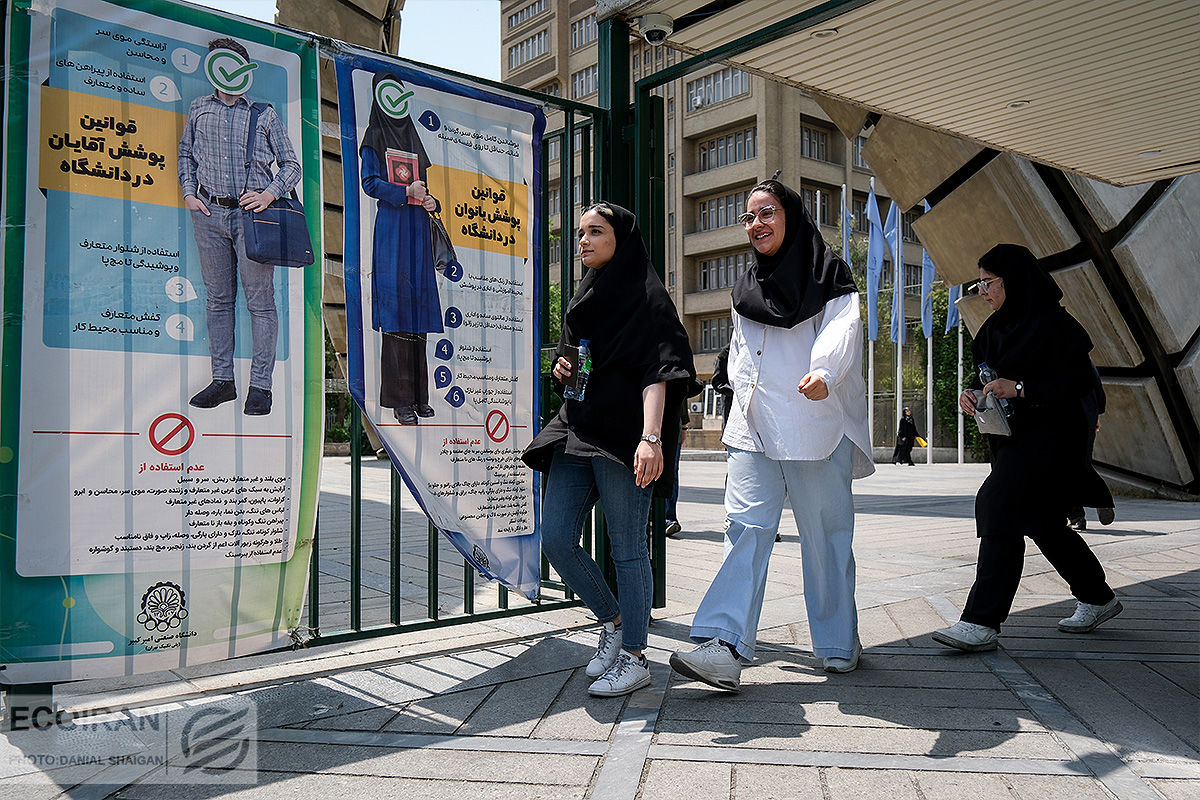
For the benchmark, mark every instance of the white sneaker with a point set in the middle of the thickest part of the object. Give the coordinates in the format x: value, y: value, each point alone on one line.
x: 1088, y: 616
x: 837, y: 664
x: 968, y: 636
x: 606, y: 651
x: 712, y: 663
x: 627, y: 674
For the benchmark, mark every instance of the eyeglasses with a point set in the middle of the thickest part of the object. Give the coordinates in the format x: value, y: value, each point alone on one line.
x: 982, y: 286
x: 765, y: 214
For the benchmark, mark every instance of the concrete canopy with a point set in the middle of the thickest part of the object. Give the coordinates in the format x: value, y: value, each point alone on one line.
x: 1106, y: 90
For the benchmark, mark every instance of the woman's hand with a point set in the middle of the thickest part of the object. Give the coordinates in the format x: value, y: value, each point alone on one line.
x: 1003, y: 388
x: 562, y: 369
x: 416, y: 190
x: 813, y: 387
x: 966, y: 401
x: 429, y: 203
x: 647, y: 463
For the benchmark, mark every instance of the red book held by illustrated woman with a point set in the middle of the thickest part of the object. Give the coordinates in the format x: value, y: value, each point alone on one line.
x: 402, y: 170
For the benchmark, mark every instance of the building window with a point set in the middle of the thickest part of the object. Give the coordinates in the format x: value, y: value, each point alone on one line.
x: 912, y: 279
x: 583, y: 82
x: 714, y: 333
x: 814, y: 143
x: 721, y: 212
x: 529, y: 11
x: 861, y: 223
x: 554, y: 89
x: 583, y: 31
x: 528, y: 49
x: 722, y: 272
x: 720, y: 85
x: 812, y: 206
x: 859, y: 161
x: 906, y: 227
x: 728, y: 148
x: 555, y: 199
x: 554, y: 148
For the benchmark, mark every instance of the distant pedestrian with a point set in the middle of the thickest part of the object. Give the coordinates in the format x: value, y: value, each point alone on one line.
x: 673, y: 528
x: 720, y: 384
x: 1043, y: 468
x: 1099, y: 496
x: 797, y: 433
x: 906, y: 439
x: 608, y: 446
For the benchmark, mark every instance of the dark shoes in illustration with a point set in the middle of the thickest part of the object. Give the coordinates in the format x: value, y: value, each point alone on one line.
x: 423, y: 409
x: 405, y: 416
x: 258, y: 402
x: 216, y: 393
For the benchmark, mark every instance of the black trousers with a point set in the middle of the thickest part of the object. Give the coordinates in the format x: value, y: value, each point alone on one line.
x: 403, y: 370
x: 1001, y: 559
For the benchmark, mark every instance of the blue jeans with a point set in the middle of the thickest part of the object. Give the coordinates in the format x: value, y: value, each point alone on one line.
x: 671, y: 511
x: 819, y: 492
x: 222, y: 249
x: 574, y: 485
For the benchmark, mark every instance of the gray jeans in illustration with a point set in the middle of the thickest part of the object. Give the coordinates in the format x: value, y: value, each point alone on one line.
x: 222, y: 249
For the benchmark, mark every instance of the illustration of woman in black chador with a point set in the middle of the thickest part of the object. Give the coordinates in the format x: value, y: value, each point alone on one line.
x: 406, y: 307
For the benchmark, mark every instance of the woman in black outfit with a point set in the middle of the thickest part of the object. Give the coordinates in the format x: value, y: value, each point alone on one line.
x: 609, y: 446
x: 1040, y: 354
x: 906, y: 437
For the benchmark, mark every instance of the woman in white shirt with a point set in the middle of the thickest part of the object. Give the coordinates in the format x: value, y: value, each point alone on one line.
x: 797, y: 431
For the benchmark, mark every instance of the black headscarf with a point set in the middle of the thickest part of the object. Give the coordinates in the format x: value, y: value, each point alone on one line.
x: 804, y: 274
x: 385, y: 132
x: 1031, y: 328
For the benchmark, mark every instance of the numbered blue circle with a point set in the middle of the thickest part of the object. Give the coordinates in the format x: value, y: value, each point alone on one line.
x: 455, y: 397
x: 453, y: 271
x: 442, y: 377
x: 444, y: 350
x: 430, y: 120
x: 454, y: 317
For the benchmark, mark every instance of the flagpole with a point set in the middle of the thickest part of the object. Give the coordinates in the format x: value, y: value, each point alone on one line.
x: 960, y: 390
x: 929, y: 400
x: 899, y: 287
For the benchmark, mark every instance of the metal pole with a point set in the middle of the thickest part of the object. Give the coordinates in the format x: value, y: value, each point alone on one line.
x: 958, y: 372
x: 929, y: 401
x: 899, y: 252
x: 871, y: 388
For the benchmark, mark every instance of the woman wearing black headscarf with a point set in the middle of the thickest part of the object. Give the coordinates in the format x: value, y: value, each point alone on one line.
x: 1040, y: 354
x: 405, y: 307
x: 796, y: 431
x: 906, y: 437
x: 609, y: 446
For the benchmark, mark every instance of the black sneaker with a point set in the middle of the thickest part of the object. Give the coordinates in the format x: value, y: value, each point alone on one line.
x: 214, y: 394
x: 405, y: 416
x: 673, y: 528
x: 423, y: 409
x: 258, y: 402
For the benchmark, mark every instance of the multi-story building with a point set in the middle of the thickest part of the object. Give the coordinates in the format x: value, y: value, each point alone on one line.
x: 725, y: 131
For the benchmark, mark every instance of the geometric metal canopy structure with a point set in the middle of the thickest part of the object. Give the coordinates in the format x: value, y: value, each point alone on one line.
x: 1108, y: 90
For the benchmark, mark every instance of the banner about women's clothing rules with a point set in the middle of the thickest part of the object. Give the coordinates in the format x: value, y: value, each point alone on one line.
x: 442, y: 351
x: 143, y: 524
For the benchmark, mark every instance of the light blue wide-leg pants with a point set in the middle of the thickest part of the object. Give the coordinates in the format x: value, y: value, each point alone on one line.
x: 823, y: 507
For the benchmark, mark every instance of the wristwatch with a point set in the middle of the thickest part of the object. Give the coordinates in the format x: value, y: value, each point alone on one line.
x: 652, y: 439
x: 1020, y: 387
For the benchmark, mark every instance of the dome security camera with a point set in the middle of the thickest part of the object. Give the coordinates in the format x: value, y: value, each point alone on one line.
x: 655, y: 28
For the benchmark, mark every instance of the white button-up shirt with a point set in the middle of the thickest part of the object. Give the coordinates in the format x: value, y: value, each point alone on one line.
x: 766, y: 364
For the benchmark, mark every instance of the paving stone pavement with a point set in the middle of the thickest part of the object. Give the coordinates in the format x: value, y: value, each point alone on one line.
x: 500, y: 709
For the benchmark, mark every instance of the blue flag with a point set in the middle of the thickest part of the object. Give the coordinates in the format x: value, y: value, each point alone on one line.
x: 952, y: 316
x: 876, y: 248
x: 927, y: 276
x: 891, y: 228
x: 847, y: 221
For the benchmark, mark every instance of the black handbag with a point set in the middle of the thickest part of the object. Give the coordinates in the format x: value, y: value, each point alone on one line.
x: 279, y: 233
x: 443, y: 250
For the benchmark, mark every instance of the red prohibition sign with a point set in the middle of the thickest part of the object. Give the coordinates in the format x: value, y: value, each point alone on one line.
x: 163, y: 432
x: 496, y: 425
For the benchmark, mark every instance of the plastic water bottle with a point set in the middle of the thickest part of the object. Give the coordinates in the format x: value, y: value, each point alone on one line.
x: 987, y: 375
x: 585, y: 369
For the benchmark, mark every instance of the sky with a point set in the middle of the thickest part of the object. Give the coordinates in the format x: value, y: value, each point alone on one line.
x: 462, y: 35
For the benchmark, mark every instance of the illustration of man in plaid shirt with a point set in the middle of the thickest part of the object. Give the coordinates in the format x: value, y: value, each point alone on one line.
x: 217, y: 185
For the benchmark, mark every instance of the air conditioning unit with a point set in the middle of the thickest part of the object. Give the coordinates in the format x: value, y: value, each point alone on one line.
x: 696, y: 406
x: 697, y: 102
